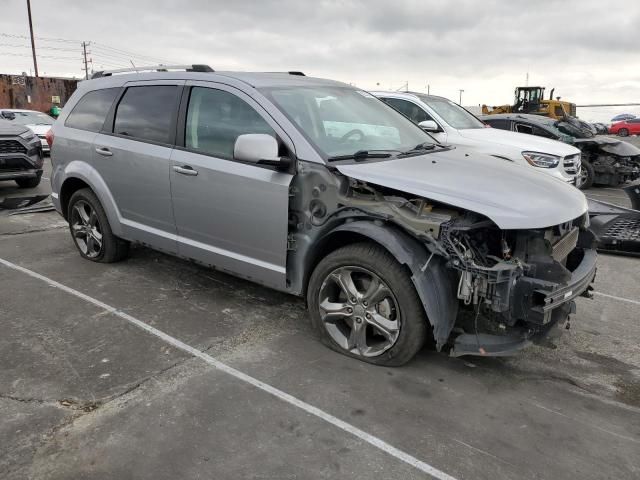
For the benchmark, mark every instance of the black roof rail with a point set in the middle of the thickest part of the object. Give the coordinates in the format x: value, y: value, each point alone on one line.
x: 154, y: 68
x: 291, y: 72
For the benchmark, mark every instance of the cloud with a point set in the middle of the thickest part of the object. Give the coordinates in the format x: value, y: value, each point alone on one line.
x: 579, y: 47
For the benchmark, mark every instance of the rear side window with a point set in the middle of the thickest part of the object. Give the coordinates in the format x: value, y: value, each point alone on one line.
x: 90, y: 112
x: 146, y: 113
x: 216, y: 118
x: 522, y: 128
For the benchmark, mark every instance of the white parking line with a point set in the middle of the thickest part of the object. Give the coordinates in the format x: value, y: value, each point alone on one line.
x: 620, y: 299
x: 327, y: 417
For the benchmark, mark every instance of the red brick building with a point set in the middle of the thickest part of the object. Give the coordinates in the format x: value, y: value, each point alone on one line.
x: 31, y: 93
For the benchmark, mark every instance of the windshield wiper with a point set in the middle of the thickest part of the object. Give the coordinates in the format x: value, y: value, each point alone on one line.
x: 361, y: 155
x: 420, y: 148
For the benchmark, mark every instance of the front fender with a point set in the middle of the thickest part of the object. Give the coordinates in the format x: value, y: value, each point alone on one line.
x: 429, y: 274
x: 89, y: 175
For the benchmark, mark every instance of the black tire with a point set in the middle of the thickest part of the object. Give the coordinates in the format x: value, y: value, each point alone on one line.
x: 29, y: 182
x: 588, y: 183
x: 413, y: 320
x: 113, y: 249
x: 623, y: 132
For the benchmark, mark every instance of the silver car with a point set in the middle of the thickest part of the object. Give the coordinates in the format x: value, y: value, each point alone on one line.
x: 319, y: 189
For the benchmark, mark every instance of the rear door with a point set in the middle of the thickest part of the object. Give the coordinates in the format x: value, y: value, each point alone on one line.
x: 132, y: 154
x: 229, y: 214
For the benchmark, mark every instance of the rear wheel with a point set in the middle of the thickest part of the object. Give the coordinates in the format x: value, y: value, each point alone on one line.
x: 587, y: 175
x: 29, y: 182
x: 364, y: 305
x: 623, y: 132
x: 91, y: 231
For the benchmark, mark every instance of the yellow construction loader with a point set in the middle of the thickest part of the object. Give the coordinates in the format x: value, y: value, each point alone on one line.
x: 531, y: 100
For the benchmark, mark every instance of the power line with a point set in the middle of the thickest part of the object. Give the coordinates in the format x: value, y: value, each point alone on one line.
x: 127, y: 53
x: 40, y: 47
x: 39, y: 56
x: 44, y: 39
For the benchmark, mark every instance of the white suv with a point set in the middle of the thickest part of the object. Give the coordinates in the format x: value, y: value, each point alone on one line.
x: 449, y: 123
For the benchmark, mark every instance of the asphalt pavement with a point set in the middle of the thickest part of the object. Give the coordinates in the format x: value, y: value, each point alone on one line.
x: 155, y: 368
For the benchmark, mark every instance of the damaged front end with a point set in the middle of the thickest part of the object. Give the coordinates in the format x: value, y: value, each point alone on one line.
x: 516, y: 286
x: 614, y: 162
x: 485, y: 290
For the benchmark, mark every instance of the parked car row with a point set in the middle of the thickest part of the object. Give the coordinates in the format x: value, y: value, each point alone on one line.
x: 39, y: 123
x: 451, y: 124
x: 605, y: 161
x: 392, y: 236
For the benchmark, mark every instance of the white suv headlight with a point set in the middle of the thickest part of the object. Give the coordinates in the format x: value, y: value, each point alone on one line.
x: 541, y: 160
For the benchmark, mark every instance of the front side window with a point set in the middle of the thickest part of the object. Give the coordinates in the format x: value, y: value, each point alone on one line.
x: 341, y: 120
x: 408, y: 109
x: 146, y: 113
x: 92, y: 109
x: 452, y: 113
x: 216, y: 118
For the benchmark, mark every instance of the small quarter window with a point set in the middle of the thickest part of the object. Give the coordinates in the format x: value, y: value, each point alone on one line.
x: 92, y: 109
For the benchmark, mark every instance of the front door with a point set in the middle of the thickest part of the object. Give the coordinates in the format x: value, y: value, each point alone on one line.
x: 229, y: 214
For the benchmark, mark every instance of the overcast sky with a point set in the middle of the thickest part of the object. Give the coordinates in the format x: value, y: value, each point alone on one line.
x: 588, y: 50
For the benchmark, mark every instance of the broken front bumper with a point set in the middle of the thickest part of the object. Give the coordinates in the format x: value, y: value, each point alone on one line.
x: 542, y: 305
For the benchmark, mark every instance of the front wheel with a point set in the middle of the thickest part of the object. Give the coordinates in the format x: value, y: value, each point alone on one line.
x: 623, y: 132
x: 91, y: 231
x: 364, y: 305
x: 587, y: 175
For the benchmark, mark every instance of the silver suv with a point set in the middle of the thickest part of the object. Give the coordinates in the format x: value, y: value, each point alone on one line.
x: 321, y: 190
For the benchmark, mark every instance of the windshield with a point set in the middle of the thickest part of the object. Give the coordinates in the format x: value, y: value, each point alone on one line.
x: 342, y: 121
x: 573, y: 127
x: 452, y: 113
x: 29, y: 118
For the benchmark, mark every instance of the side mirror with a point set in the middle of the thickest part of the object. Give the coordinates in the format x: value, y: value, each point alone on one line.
x: 429, y: 126
x: 9, y: 115
x: 253, y: 147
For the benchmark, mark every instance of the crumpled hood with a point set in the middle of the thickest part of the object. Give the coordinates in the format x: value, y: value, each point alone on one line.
x: 610, y: 145
x: 522, y: 141
x: 512, y: 196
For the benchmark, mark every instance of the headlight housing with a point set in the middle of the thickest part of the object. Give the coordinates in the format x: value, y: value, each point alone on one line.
x: 541, y: 160
x: 28, y: 136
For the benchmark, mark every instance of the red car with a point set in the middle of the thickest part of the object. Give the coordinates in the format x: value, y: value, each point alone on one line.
x: 626, y: 127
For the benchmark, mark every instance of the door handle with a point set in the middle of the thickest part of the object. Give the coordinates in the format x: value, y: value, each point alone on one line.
x: 104, y: 151
x: 185, y: 170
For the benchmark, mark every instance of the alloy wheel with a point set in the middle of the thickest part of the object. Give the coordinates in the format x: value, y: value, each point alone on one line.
x: 359, y: 311
x: 86, y: 230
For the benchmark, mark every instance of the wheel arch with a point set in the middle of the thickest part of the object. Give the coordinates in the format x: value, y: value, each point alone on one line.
x: 433, y: 281
x: 80, y: 175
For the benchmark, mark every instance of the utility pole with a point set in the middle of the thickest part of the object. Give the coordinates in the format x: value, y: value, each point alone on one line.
x: 461, y: 92
x: 85, y: 61
x: 428, y: 89
x: 33, y: 44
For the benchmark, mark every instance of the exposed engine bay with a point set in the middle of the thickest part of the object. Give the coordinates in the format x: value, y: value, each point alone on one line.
x: 507, y: 287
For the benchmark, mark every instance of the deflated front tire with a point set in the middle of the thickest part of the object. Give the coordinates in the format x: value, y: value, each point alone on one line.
x: 364, y: 305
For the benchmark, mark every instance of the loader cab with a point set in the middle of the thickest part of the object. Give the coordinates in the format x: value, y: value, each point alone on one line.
x: 528, y: 99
